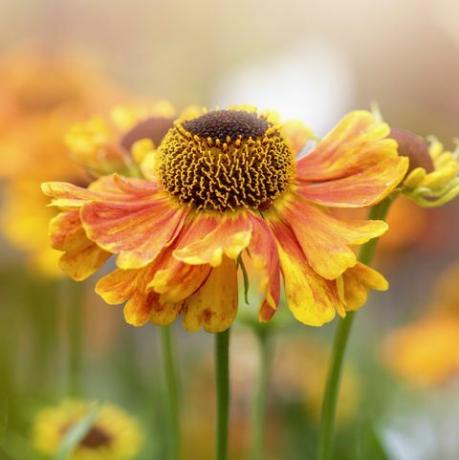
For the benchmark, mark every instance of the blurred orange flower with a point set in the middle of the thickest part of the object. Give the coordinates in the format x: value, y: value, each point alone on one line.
x: 425, y: 351
x: 224, y: 189
x: 42, y: 94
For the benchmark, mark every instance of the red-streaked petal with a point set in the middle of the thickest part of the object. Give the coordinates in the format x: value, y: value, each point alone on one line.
x: 324, y: 239
x: 364, y: 188
x: 312, y: 299
x: 358, y: 281
x: 214, y: 306
x: 357, y: 142
x: 142, y: 305
x: 137, y: 231
x: 263, y: 252
x: 81, y: 256
x: 210, y: 237
x: 176, y: 280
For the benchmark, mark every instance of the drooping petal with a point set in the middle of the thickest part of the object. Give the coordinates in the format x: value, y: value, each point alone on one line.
x: 263, y: 252
x: 214, y: 306
x: 81, y: 256
x: 135, y: 230
x: 364, y: 188
x: 355, y: 165
x: 312, y: 299
x: 210, y: 237
x: 177, y: 280
x: 358, y: 141
x: 324, y: 239
x: 358, y: 281
x: 142, y: 304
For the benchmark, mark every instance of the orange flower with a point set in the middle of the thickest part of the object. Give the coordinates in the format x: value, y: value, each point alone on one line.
x: 224, y: 189
x: 425, y: 352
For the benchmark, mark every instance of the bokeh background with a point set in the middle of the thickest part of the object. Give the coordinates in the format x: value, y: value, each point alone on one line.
x: 309, y: 60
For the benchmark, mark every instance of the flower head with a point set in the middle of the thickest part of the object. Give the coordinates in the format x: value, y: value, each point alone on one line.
x: 224, y: 188
x: 432, y: 179
x: 114, y: 435
x: 120, y: 142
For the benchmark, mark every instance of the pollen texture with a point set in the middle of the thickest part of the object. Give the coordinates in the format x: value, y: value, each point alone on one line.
x: 225, y: 160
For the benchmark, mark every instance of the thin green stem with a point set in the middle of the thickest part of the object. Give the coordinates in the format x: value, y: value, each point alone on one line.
x: 74, y: 294
x: 261, y: 394
x: 343, y: 330
x: 171, y: 392
x: 222, y: 341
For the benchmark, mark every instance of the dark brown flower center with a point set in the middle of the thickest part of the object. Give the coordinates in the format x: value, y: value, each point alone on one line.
x: 154, y: 128
x: 224, y: 124
x: 225, y: 160
x: 96, y: 438
x: 414, y: 147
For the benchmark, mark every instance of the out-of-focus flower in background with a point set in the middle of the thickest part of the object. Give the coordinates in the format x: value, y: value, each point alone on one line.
x: 113, y: 435
x: 424, y: 352
x: 45, y: 92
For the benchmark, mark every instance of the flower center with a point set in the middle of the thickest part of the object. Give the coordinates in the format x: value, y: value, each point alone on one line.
x: 414, y: 147
x: 96, y: 438
x: 224, y: 160
x: 153, y: 128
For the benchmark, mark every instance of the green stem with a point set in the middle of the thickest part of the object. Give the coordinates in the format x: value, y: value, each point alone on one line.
x: 261, y: 394
x: 74, y: 293
x: 343, y: 330
x: 222, y: 340
x: 171, y: 390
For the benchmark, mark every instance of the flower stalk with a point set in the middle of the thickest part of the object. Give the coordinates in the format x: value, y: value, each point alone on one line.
x: 343, y: 331
x: 264, y: 338
x: 222, y: 341
x: 171, y: 392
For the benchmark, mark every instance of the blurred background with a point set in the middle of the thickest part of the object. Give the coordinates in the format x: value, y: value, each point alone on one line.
x: 64, y: 60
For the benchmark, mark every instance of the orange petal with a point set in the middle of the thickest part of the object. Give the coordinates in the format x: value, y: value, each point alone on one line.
x: 177, y: 280
x: 214, y: 306
x: 362, y: 188
x: 135, y: 230
x: 312, y: 299
x: 81, y: 256
x: 142, y: 305
x: 263, y: 252
x: 210, y: 237
x: 118, y: 286
x: 325, y: 240
x: 357, y: 142
x: 358, y: 281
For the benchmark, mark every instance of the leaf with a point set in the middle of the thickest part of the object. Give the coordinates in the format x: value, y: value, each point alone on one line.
x: 76, y: 434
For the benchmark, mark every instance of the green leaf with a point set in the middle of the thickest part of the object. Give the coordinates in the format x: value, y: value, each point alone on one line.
x: 76, y: 434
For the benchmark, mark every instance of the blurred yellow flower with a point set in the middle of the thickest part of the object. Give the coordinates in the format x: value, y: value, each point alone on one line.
x: 432, y: 179
x: 120, y: 141
x: 114, y: 435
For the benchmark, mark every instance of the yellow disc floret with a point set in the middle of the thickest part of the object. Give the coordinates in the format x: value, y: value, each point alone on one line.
x: 224, y: 160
